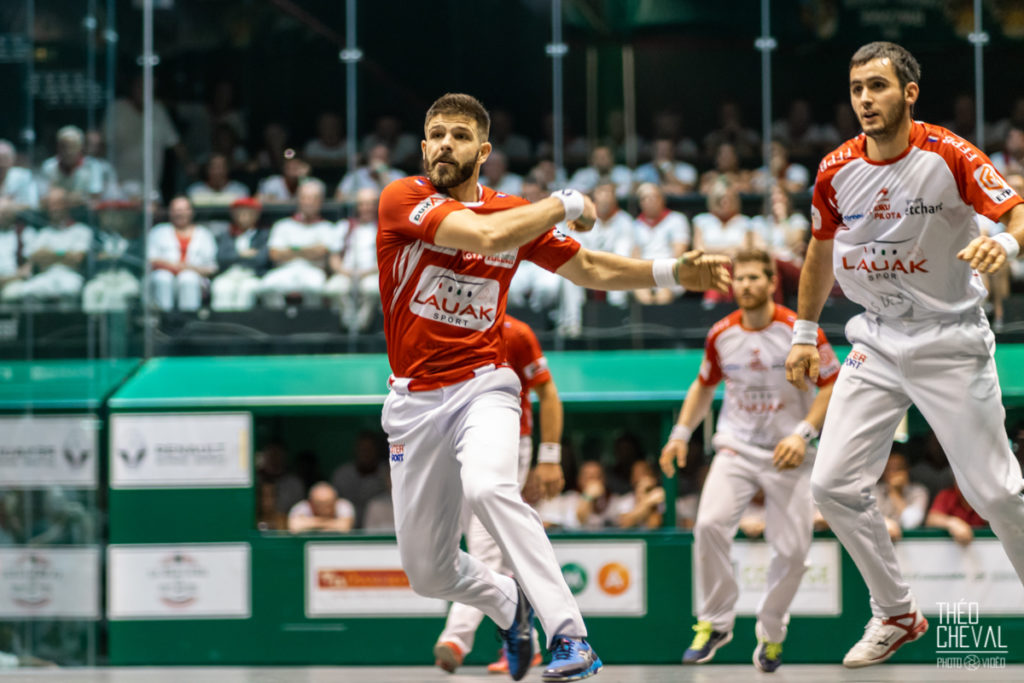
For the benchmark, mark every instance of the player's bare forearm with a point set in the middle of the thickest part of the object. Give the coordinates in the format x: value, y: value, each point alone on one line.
x: 607, y: 271
x: 816, y: 415
x: 551, y: 415
x: 816, y: 279
x: 500, y: 231
x: 696, y: 404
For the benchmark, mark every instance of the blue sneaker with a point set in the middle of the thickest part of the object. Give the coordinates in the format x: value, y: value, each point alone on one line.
x: 705, y: 643
x: 767, y: 656
x: 517, y: 639
x: 571, y: 660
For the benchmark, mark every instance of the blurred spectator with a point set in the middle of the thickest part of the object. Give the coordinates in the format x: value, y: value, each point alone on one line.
x: 243, y: 256
x: 533, y: 286
x: 284, y: 188
x: 627, y: 451
x: 752, y: 521
x: 328, y: 148
x: 951, y: 511
x: 323, y: 510
x: 183, y: 256
x: 272, y: 468
x: 902, y: 502
x: 746, y: 143
x: 843, y: 127
x: 546, y: 176
x: 933, y: 469
x: 674, y: 177
x: 353, y: 262
x: 17, y: 187
x: 495, y: 175
x: 362, y: 477
x: 963, y: 121
x: 612, y: 232
x: 574, y: 147
x: 271, y: 153
x: 225, y: 142
x: 201, y: 119
x: 644, y: 505
x: 603, y: 168
x: 380, y: 510
x: 217, y: 188
x: 117, y: 258
x: 56, y: 253
x: 516, y: 148
x: 799, y: 134
x: 591, y: 507
x: 791, y: 176
x: 1014, y: 120
x: 404, y: 147
x: 268, y: 517
x: 726, y: 169
x: 723, y: 229
x: 375, y: 175
x: 82, y: 177
x: 96, y: 149
x: 784, y: 233
x: 12, y: 270
x: 668, y: 124
x: 1010, y: 159
x: 298, y: 251
x: 658, y: 233
x: 124, y: 117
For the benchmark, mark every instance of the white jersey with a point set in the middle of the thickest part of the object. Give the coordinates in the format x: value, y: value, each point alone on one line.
x: 718, y: 236
x: 897, y: 225
x: 657, y: 239
x: 760, y: 406
x: 163, y: 245
x: 357, y: 244
x: 614, y: 235
x: 293, y: 233
x: 72, y: 237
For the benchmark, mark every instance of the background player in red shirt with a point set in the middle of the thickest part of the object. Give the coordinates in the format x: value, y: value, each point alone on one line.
x: 447, y: 250
x: 893, y: 220
x: 528, y: 361
x: 762, y: 441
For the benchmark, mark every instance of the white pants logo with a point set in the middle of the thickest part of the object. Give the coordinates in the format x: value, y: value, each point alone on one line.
x: 456, y: 299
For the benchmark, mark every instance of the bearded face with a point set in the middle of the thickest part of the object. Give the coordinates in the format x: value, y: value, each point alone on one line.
x: 445, y: 171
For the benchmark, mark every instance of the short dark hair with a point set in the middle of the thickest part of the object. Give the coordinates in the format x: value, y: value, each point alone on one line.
x: 756, y: 256
x: 462, y: 105
x: 903, y: 63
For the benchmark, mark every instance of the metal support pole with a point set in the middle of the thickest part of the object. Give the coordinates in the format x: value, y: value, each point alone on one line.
x: 28, y: 133
x: 147, y: 61
x: 89, y: 24
x: 766, y: 43
x: 110, y: 37
x: 593, y: 83
x: 979, y: 39
x: 351, y: 56
x: 629, y: 105
x: 557, y: 50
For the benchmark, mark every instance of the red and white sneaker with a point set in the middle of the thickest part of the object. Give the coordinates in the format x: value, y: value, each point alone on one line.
x: 501, y: 666
x: 448, y: 656
x: 882, y: 637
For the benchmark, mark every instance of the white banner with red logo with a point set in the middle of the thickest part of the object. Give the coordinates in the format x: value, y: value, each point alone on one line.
x: 181, y: 450
x: 607, y: 578
x: 195, y: 581
x: 820, y: 589
x: 362, y: 580
x: 49, y: 583
x: 49, y: 450
x: 941, y: 571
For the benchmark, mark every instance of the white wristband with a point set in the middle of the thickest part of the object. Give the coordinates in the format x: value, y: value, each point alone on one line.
x: 805, y: 332
x: 681, y: 432
x: 572, y: 202
x: 1009, y: 243
x: 664, y: 271
x: 806, y: 431
x: 549, y: 453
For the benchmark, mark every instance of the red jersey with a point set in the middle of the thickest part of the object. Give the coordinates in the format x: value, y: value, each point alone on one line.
x: 442, y: 305
x: 528, y: 361
x: 951, y: 502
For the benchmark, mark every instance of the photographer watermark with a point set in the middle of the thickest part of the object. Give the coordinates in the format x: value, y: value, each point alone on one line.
x: 963, y: 642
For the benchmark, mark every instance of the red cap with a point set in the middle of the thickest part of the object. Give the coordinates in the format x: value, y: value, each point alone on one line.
x: 246, y: 202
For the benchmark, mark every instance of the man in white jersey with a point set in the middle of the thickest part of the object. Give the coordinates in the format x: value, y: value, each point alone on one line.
x: 447, y: 249
x: 762, y: 441
x: 893, y: 221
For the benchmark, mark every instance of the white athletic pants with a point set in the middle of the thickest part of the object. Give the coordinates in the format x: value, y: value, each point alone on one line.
x: 463, y: 620
x: 946, y: 369
x: 732, y: 481
x: 460, y: 443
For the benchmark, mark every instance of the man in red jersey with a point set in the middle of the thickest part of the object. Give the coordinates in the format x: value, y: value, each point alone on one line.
x: 527, y: 360
x: 447, y: 249
x: 893, y: 221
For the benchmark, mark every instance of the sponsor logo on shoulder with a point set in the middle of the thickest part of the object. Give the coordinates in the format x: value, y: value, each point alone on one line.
x: 993, y: 184
x: 425, y: 207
